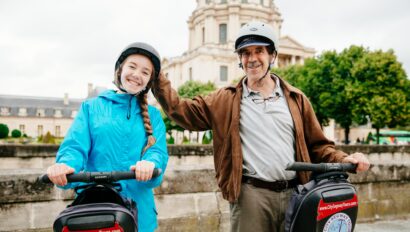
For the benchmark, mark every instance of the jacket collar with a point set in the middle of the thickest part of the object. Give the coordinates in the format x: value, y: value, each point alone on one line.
x: 120, y: 98
x: 284, y: 84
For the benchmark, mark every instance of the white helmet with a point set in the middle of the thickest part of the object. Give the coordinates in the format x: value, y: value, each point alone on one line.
x: 256, y: 33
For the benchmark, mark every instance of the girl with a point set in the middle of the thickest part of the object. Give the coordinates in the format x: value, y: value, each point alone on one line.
x: 118, y: 130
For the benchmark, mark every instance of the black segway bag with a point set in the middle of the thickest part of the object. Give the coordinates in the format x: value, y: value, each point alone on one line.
x: 327, y: 203
x: 98, y: 207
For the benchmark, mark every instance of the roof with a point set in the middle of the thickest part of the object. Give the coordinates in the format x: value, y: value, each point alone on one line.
x: 35, y: 104
x: 289, y: 42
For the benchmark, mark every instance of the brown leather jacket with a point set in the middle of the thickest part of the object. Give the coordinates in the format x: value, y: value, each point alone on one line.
x: 220, y: 111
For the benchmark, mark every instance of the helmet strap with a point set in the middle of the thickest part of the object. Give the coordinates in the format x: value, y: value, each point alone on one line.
x: 267, y: 71
x: 122, y: 89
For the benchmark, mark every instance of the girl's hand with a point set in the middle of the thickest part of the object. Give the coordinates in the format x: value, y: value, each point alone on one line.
x: 143, y: 170
x: 57, y: 173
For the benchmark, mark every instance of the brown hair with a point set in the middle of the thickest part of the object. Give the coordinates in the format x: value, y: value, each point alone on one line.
x: 147, y: 122
x: 143, y: 100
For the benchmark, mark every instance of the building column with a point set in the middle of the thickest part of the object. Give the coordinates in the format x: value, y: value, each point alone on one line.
x: 293, y: 60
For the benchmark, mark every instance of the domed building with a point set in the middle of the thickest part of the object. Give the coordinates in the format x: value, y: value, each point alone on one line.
x: 213, y: 27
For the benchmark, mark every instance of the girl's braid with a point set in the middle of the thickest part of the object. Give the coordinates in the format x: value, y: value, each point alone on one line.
x: 147, y: 122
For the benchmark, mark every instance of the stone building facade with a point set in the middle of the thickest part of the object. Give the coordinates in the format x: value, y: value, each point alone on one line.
x: 35, y: 116
x: 213, y: 27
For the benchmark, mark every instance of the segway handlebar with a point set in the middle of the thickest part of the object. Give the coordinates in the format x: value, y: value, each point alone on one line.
x: 322, y: 167
x: 99, y: 177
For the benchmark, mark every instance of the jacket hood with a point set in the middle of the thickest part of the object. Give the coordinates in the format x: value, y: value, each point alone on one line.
x: 116, y: 97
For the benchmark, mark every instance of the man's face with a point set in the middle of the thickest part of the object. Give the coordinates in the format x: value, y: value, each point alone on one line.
x: 255, y: 61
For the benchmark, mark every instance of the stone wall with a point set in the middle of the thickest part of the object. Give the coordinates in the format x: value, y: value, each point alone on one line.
x: 188, y: 199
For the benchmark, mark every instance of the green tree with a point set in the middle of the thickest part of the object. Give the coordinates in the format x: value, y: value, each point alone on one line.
x: 382, y: 91
x: 194, y: 88
x: 308, y: 78
x: 16, y: 133
x: 4, y: 131
x: 354, y: 86
x: 341, y: 99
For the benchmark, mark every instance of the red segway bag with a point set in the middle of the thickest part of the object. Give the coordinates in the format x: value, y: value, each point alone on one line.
x: 98, y: 207
x: 327, y: 203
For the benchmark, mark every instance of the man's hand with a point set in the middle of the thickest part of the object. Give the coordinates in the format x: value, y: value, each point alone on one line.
x: 57, y: 173
x: 360, y: 159
x: 143, y: 170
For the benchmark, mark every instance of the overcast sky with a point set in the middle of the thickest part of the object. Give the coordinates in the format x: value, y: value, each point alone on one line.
x: 52, y: 47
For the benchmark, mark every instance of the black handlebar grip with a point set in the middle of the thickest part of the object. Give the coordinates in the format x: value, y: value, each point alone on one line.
x: 131, y: 174
x: 87, y: 177
x: 77, y: 177
x: 44, y: 179
x: 322, y: 167
x: 157, y: 172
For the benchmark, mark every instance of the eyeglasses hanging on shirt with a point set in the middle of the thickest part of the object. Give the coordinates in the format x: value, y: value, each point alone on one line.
x: 269, y: 99
x: 268, y: 102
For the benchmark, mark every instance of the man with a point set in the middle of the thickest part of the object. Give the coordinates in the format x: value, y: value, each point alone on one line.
x: 259, y: 126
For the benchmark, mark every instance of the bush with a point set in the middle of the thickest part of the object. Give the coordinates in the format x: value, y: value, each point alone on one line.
x: 4, y: 131
x: 185, y: 140
x: 207, y: 138
x: 16, y: 133
x: 48, y: 138
x: 171, y: 140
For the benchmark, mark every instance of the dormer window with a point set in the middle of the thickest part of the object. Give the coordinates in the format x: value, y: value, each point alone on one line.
x: 5, y: 111
x: 40, y: 113
x: 22, y: 112
x: 58, y: 114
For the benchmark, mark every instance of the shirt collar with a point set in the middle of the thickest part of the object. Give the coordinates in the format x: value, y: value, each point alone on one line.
x: 247, y: 92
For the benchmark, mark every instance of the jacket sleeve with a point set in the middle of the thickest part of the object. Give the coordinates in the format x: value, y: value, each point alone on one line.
x: 158, y: 153
x: 77, y: 142
x: 320, y: 148
x: 191, y: 114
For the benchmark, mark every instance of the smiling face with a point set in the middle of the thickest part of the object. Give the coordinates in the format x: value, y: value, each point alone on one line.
x: 255, y: 61
x: 136, y: 71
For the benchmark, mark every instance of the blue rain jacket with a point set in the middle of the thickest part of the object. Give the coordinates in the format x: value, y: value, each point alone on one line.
x: 103, y: 138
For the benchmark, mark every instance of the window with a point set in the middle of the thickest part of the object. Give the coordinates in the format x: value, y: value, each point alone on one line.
x: 244, y: 1
x: 222, y: 33
x: 261, y: 2
x: 223, y: 1
x: 5, y: 111
x: 223, y: 73
x: 22, y: 112
x: 58, y: 114
x: 203, y: 35
x: 22, y: 128
x: 207, y: 1
x: 58, y: 131
x: 39, y: 130
x: 40, y: 113
x: 190, y: 74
